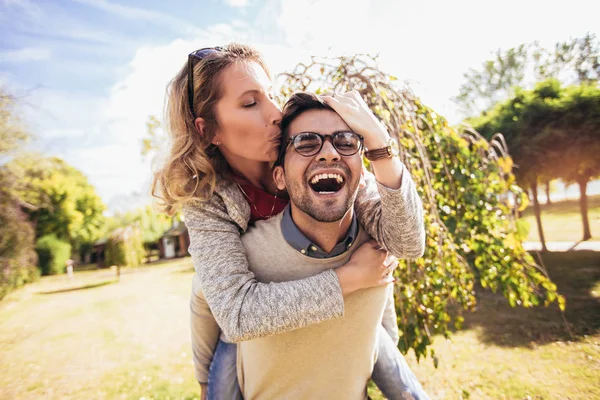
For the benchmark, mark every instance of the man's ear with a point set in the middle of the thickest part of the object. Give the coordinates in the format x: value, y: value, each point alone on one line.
x: 279, y: 178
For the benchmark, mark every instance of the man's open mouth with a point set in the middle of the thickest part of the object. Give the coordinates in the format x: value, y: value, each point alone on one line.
x: 327, y: 183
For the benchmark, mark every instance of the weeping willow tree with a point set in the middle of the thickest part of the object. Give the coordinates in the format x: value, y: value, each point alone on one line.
x: 470, y: 199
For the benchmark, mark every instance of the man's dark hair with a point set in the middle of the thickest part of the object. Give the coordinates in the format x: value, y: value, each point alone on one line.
x: 296, y: 105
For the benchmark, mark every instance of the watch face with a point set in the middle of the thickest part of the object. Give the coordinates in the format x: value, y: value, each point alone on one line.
x: 394, y: 149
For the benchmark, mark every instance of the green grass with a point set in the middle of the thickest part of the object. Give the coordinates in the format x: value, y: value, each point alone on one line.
x: 561, y: 221
x: 130, y: 340
x: 512, y: 353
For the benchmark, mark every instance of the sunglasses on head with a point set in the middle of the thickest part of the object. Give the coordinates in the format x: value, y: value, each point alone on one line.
x: 194, y: 57
x: 308, y: 144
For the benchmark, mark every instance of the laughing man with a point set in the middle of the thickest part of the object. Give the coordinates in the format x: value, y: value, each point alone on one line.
x: 320, y: 166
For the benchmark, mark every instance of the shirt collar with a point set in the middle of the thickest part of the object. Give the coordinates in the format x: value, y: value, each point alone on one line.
x: 301, y: 243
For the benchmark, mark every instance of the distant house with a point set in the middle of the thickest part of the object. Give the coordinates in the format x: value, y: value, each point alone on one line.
x: 98, y: 252
x: 174, y: 242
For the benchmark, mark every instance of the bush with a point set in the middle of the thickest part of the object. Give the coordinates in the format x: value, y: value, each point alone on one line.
x: 17, y: 257
x: 125, y: 247
x: 53, y: 254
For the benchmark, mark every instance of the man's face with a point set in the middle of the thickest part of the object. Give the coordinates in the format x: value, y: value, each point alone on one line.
x: 324, y: 186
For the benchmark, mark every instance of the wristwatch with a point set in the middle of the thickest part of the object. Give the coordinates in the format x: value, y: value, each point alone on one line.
x: 391, y: 150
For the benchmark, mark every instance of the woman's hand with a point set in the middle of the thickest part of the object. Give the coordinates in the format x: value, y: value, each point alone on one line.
x: 369, y: 266
x: 355, y: 112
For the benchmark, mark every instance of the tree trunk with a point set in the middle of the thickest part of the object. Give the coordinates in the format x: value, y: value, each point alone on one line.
x: 583, y: 206
x: 538, y: 214
x: 548, y: 201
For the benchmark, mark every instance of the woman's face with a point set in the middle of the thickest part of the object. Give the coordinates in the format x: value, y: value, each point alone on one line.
x: 247, y: 116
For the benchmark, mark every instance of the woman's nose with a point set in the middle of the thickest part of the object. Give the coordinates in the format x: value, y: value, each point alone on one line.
x: 275, y: 113
x: 276, y: 119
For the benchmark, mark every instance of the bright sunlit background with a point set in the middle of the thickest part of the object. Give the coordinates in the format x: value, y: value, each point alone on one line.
x: 94, y: 300
x: 89, y: 72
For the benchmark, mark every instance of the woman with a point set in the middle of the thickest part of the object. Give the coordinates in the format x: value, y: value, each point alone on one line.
x: 225, y: 130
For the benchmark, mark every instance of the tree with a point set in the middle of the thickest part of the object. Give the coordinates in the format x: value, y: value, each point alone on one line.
x: 575, y: 61
x: 552, y: 132
x: 494, y: 80
x: 64, y: 202
x: 519, y: 119
x: 154, y: 139
x: 125, y: 248
x: 572, y: 136
x: 17, y: 239
x: 151, y: 223
x: 465, y: 182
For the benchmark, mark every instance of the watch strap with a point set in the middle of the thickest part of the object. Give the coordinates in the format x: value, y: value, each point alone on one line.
x: 378, y: 154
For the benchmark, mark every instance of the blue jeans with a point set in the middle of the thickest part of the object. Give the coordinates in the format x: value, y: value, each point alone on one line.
x: 222, y: 374
x: 391, y: 373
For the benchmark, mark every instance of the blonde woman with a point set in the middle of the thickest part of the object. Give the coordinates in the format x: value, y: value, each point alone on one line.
x: 224, y: 126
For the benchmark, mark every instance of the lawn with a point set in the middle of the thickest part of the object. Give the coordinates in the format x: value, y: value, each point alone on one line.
x: 561, y: 221
x: 95, y: 338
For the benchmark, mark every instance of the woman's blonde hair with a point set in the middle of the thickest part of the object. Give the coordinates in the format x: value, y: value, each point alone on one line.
x: 193, y: 162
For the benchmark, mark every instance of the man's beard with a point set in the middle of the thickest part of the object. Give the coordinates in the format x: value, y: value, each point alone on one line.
x: 325, y: 211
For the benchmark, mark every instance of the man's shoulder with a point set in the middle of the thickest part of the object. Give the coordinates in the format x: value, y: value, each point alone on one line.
x: 264, y: 230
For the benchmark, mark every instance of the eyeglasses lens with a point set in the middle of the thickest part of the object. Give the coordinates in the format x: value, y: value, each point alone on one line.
x: 308, y: 143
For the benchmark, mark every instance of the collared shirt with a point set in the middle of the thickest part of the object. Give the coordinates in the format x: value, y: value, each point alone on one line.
x: 300, y: 242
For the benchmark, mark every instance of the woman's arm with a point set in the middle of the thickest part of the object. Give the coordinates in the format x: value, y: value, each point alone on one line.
x: 243, y: 307
x: 389, y: 208
x: 393, y: 217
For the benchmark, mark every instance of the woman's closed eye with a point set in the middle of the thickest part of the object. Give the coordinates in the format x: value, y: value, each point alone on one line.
x: 249, y: 105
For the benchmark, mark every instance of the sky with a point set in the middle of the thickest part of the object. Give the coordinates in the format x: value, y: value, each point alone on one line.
x: 89, y: 73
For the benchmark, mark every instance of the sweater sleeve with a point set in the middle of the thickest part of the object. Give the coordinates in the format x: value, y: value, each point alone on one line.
x: 243, y: 307
x: 394, y: 218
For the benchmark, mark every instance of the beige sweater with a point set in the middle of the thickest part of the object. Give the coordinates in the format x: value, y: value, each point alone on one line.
x: 246, y: 309
x: 330, y: 360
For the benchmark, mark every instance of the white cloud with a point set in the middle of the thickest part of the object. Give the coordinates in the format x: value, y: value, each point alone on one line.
x: 431, y: 44
x: 25, y: 55
x: 237, y: 3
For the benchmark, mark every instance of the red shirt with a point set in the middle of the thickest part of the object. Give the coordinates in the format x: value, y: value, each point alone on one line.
x: 262, y: 204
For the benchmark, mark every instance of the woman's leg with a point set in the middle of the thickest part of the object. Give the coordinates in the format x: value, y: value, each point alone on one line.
x: 392, y: 375
x: 222, y: 375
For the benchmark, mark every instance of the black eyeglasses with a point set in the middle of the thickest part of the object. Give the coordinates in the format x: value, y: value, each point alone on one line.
x: 308, y: 144
x: 197, y: 55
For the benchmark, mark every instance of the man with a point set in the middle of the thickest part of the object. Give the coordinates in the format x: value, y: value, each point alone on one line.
x: 320, y: 166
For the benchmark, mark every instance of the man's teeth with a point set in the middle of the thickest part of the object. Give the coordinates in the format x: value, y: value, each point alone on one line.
x: 318, y: 177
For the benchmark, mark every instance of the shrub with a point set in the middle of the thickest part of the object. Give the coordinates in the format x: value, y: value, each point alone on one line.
x: 17, y: 257
x: 53, y: 254
x: 125, y: 247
